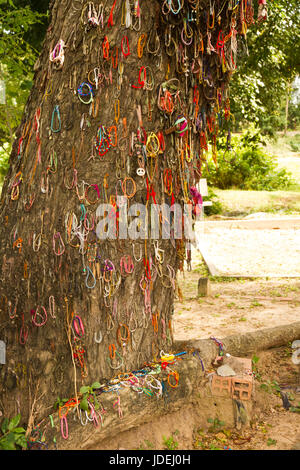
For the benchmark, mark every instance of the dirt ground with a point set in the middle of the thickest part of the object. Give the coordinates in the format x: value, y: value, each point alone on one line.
x: 234, y: 306
x: 272, y: 427
x: 238, y: 306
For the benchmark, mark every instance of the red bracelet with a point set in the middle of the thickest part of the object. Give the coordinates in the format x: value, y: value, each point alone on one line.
x: 161, y: 139
x: 114, y: 61
x: 147, y: 269
x: 128, y: 48
x: 111, y: 19
x: 105, y: 48
x: 141, y: 82
x: 139, y: 135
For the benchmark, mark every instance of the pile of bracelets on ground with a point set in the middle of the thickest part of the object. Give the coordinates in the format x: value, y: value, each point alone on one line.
x: 142, y: 381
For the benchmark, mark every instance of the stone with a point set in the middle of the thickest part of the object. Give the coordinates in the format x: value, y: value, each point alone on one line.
x: 225, y: 371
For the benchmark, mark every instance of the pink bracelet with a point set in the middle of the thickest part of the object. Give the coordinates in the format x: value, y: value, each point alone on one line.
x: 86, y: 223
x: 94, y: 416
x: 35, y: 313
x: 78, y: 327
x: 127, y: 263
x: 63, y: 421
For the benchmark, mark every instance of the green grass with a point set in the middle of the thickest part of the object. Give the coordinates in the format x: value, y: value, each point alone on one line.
x: 285, y: 144
x: 287, y: 152
x: 238, y: 202
x: 241, y: 203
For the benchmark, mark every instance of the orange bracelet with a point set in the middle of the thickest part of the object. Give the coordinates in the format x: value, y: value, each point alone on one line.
x: 105, y: 48
x: 114, y: 60
x: 155, y: 318
x: 120, y: 338
x: 141, y: 44
x: 25, y: 270
x: 176, y: 376
x: 109, y: 130
x: 124, y: 187
x: 112, y: 351
x: 117, y: 110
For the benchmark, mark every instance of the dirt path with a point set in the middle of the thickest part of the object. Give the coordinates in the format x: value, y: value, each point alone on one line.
x: 273, y: 427
x: 239, y: 306
x: 234, y: 307
x: 250, y: 248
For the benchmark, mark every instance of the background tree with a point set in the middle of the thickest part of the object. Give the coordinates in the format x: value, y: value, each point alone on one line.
x: 268, y: 63
x: 22, y: 29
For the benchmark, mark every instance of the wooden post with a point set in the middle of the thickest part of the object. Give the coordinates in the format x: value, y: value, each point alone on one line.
x: 203, y: 287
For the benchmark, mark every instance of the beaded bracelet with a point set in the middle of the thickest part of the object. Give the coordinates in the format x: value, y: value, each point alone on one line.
x: 95, y: 186
x: 123, y: 340
x: 179, y: 7
x: 52, y: 306
x: 125, y: 54
x: 141, y: 44
x: 12, y: 315
x: 81, y: 93
x: 124, y: 187
x: 126, y: 263
x: 36, y: 242
x: 98, y: 338
x: 176, y: 377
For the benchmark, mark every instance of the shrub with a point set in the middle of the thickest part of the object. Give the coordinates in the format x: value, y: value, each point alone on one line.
x: 4, y: 165
x: 216, y: 207
x: 244, y: 164
x: 295, y: 143
x: 12, y: 437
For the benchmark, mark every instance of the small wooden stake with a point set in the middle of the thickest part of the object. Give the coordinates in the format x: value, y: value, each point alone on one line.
x: 203, y: 287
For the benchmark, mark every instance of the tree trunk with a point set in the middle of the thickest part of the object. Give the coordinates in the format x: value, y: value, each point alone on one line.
x: 243, y: 344
x: 77, y: 308
x: 287, y: 102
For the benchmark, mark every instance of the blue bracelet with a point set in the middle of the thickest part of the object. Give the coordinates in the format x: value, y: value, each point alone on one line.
x: 90, y: 92
x: 90, y: 273
x: 56, y: 112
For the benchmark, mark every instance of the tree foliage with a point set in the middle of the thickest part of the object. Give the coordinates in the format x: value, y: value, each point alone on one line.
x: 244, y: 164
x: 22, y: 29
x: 267, y: 65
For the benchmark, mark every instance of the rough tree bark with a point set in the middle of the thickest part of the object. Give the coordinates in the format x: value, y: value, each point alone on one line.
x: 76, y: 309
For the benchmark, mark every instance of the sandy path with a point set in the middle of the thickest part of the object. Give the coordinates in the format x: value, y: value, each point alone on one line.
x: 253, y: 253
x: 234, y: 307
